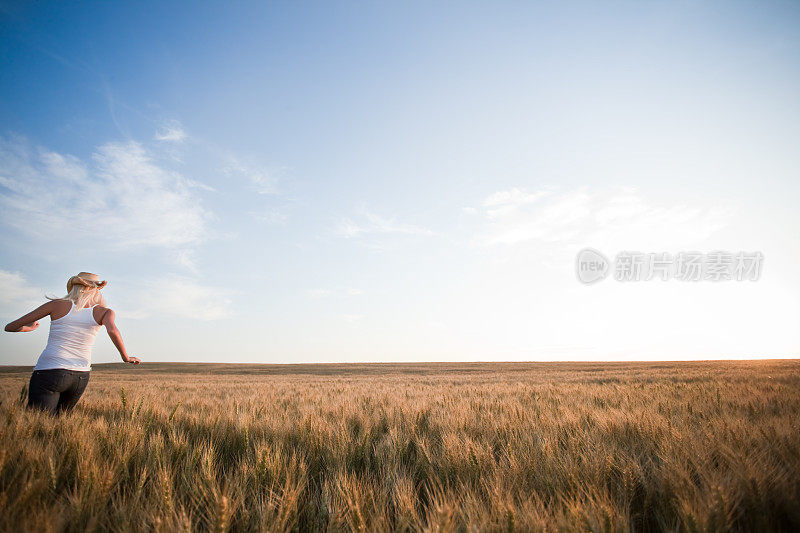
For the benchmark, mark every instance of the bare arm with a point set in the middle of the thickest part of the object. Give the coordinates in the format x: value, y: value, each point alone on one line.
x: 116, y: 337
x: 30, y: 322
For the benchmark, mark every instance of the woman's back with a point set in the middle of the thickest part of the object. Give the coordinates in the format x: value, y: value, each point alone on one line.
x: 62, y: 371
x: 69, y: 344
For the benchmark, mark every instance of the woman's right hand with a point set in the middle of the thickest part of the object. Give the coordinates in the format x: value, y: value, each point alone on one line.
x: 133, y: 360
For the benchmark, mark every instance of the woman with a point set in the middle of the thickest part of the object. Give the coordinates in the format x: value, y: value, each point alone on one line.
x: 62, y: 371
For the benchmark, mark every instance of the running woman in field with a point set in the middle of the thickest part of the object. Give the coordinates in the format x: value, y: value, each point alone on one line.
x: 62, y: 371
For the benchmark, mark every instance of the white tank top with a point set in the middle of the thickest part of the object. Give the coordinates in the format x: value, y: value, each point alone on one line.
x: 69, y: 345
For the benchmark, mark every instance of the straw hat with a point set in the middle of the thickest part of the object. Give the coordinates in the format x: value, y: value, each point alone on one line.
x: 87, y: 279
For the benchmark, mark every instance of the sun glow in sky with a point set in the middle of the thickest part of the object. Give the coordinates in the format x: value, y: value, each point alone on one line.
x: 409, y: 181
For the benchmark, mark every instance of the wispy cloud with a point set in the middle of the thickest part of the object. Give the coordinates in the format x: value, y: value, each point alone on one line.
x: 177, y: 296
x: 136, y: 201
x: 171, y: 131
x: 112, y: 107
x: 264, y: 180
x: 17, y: 295
x: 619, y: 217
x: 368, y: 223
x: 270, y: 216
x: 503, y: 203
x: 186, y: 259
x: 335, y: 293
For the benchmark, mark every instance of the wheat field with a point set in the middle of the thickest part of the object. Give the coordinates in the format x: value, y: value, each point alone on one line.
x: 697, y: 446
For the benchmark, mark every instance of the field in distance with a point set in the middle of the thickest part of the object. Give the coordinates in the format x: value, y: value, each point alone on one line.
x: 409, y: 447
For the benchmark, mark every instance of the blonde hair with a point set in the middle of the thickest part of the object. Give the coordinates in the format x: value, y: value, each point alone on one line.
x: 82, y: 290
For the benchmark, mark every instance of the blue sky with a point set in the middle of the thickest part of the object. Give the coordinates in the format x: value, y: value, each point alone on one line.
x: 298, y: 182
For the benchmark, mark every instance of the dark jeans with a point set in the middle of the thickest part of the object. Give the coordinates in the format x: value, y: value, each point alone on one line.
x: 56, y: 390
